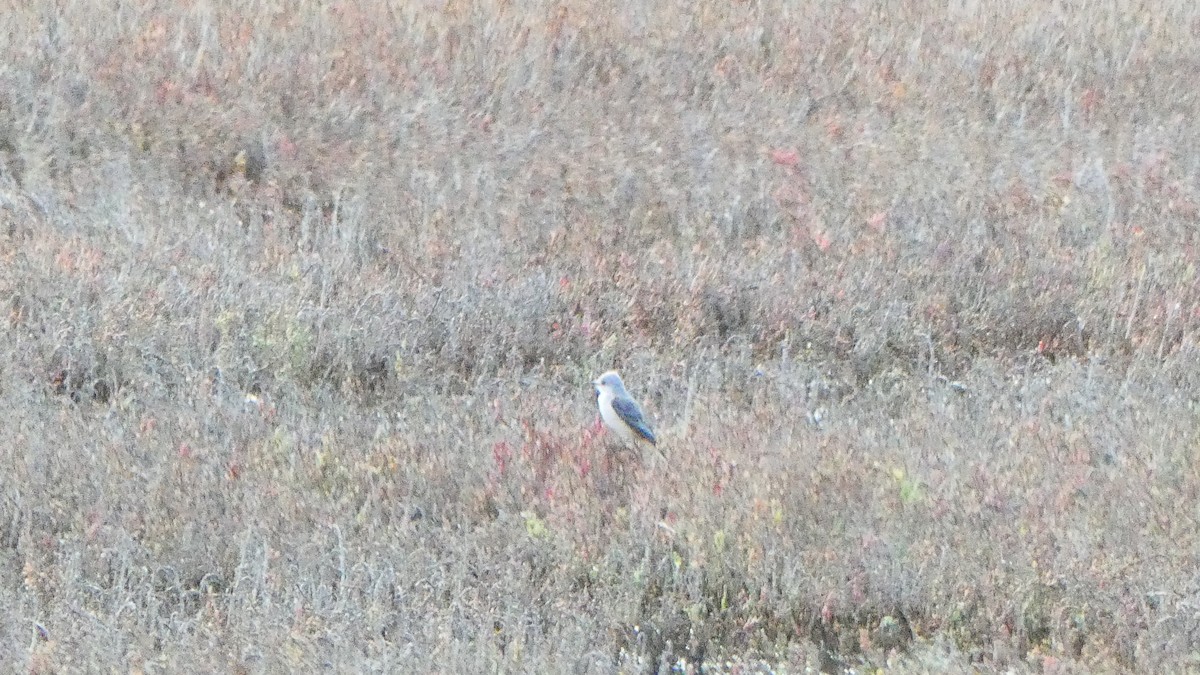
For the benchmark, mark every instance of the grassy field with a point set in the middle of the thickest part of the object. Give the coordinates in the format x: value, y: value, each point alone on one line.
x: 303, y: 301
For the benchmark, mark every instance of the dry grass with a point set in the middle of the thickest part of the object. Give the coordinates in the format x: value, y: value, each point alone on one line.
x: 303, y: 300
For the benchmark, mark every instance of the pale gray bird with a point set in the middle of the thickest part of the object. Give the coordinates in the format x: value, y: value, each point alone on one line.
x: 620, y: 413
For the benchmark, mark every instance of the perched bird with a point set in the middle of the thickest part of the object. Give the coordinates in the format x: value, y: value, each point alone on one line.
x: 620, y: 413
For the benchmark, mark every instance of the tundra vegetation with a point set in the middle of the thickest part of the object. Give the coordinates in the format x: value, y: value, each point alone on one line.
x: 303, y: 299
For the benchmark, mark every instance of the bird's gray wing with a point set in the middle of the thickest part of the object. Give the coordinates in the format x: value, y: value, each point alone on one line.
x: 631, y: 414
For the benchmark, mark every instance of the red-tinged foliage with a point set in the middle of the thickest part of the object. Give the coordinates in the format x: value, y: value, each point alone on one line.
x: 785, y: 157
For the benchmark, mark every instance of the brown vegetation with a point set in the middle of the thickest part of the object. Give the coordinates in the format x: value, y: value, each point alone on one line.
x: 304, y: 299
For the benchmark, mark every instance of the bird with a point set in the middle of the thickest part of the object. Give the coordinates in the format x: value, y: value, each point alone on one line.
x: 620, y: 413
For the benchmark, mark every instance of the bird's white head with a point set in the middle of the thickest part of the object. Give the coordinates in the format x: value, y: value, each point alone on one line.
x: 610, y: 382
